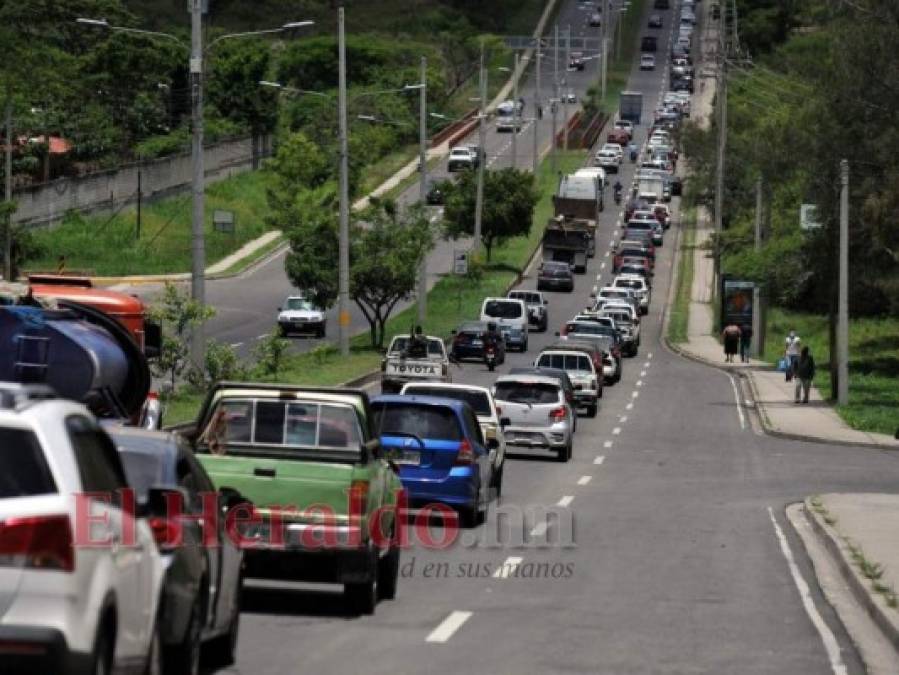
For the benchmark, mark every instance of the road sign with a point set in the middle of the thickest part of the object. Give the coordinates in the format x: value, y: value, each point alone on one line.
x: 808, y: 217
x: 460, y: 262
x: 223, y: 221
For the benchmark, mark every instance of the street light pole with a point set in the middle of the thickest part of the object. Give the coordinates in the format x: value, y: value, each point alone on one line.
x: 557, y: 98
x: 198, y: 244
x: 520, y: 117
x: 604, y: 48
x: 7, y: 191
x: 565, y: 102
x: 423, y: 184
x: 343, y: 261
x: 843, y: 300
x: 482, y: 155
x: 537, y: 114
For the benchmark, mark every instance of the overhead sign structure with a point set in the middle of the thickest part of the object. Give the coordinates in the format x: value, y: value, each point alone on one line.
x: 808, y: 217
x: 548, y: 43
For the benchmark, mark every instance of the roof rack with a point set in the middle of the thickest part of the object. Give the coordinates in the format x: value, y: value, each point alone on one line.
x: 15, y: 396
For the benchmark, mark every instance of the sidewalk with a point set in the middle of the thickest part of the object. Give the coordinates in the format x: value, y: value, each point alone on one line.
x: 859, y: 533
x: 774, y: 397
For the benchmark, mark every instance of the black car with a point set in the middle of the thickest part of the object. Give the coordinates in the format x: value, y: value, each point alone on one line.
x: 682, y: 84
x: 576, y: 62
x: 661, y: 4
x: 434, y: 195
x: 470, y: 340
x: 649, y: 43
x: 655, y: 21
x: 554, y: 275
x: 201, y: 591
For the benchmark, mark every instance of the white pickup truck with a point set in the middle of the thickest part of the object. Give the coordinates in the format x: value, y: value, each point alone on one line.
x: 401, y: 365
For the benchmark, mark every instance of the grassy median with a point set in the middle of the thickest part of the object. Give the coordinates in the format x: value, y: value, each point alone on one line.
x: 679, y: 313
x: 451, y: 301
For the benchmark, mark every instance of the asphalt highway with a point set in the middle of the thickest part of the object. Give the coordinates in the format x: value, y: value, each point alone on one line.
x: 668, y: 552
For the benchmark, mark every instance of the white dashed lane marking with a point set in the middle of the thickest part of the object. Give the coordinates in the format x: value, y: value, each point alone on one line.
x: 448, y: 627
x: 600, y: 459
x: 583, y: 480
x: 566, y: 500
x: 616, y: 431
x: 508, y: 567
x: 607, y: 444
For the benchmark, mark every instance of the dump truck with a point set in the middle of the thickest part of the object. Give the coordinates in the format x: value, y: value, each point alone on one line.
x: 569, y: 240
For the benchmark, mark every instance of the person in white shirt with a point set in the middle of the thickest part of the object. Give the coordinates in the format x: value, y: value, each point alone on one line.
x: 791, y: 352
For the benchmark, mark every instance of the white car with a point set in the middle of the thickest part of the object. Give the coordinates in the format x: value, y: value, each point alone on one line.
x: 298, y: 315
x: 70, y: 606
x: 461, y: 157
x: 647, y: 62
x: 616, y: 148
x: 608, y: 160
x: 511, y: 317
x: 639, y: 286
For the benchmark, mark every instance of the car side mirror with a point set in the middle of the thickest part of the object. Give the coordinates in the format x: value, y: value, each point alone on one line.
x: 280, y: 309
x: 504, y: 422
x: 557, y: 334
x: 231, y: 498
x: 545, y: 301
x: 492, y: 444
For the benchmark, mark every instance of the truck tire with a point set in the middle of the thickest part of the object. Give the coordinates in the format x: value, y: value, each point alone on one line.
x: 591, y: 411
x: 183, y: 658
x: 389, y: 573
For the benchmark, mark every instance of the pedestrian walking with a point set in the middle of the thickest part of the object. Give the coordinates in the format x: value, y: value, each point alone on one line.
x: 539, y: 111
x: 731, y: 337
x: 804, y: 372
x: 791, y: 352
x: 745, y: 341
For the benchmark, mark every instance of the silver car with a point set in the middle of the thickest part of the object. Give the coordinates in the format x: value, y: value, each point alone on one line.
x: 537, y: 412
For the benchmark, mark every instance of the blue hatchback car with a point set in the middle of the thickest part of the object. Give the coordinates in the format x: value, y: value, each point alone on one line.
x: 438, y: 447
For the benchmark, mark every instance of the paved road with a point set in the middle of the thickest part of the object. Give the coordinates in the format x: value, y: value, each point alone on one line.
x: 247, y: 306
x: 677, y: 564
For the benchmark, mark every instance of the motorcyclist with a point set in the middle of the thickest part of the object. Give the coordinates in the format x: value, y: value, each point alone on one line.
x: 492, y: 338
x: 617, y: 188
x: 418, y: 344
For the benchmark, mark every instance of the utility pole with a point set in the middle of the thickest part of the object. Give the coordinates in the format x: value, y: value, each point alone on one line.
x: 719, y: 174
x: 537, y: 114
x: 519, y: 117
x: 604, y: 49
x: 343, y: 261
x: 7, y: 191
x: 843, y: 301
x: 140, y: 194
x: 423, y: 184
x: 482, y: 155
x: 758, y: 295
x: 198, y: 243
x: 555, y: 104
x: 565, y: 103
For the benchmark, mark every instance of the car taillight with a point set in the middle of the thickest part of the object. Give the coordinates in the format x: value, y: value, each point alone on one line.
x: 383, y: 365
x: 359, y: 491
x: 466, y: 454
x: 37, y: 542
x: 563, y: 330
x: 557, y: 414
x: 166, y: 533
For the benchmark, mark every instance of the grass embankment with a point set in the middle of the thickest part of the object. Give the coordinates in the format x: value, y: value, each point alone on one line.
x: 109, y: 246
x: 679, y: 314
x: 873, y: 364
x: 451, y: 301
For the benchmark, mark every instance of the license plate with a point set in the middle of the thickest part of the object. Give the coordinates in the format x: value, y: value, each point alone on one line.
x: 477, y: 343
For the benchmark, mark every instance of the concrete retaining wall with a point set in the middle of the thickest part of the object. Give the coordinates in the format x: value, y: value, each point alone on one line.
x: 110, y: 190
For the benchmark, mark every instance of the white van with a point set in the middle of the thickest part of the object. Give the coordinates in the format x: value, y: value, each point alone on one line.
x: 511, y: 318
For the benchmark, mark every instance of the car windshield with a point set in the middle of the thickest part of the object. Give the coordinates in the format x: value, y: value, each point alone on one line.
x: 535, y: 393
x: 478, y: 400
x: 530, y: 298
x: 629, y: 283
x: 299, y: 304
x: 399, y: 344
x: 424, y: 421
x: 576, y: 362
x: 583, y: 327
x: 23, y: 467
x: 503, y: 310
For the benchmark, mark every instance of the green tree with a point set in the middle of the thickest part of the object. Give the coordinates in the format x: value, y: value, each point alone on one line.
x: 270, y: 354
x: 388, y: 245
x: 510, y: 196
x: 311, y: 227
x: 178, y: 314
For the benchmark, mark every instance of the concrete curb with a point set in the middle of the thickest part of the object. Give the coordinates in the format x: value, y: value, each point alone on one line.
x: 875, y: 607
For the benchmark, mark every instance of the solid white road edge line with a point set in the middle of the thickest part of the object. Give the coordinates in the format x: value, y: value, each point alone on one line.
x: 566, y: 500
x: 733, y: 383
x: 508, y: 567
x: 831, y: 646
x: 583, y: 480
x: 448, y: 626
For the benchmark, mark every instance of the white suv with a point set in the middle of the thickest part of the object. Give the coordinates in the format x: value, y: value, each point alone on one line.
x: 79, y: 579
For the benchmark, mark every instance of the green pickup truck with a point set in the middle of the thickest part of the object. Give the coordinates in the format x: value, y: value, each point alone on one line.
x: 324, y: 498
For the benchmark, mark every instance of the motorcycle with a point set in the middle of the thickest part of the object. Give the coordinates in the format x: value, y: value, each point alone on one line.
x: 490, y: 358
x: 618, y: 195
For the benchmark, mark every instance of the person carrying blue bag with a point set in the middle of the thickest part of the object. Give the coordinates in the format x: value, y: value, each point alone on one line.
x: 791, y: 353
